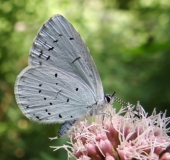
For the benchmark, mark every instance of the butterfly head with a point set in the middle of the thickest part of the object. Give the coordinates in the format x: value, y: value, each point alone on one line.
x: 109, y: 98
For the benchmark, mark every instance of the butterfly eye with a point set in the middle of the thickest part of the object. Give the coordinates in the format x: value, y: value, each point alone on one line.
x: 107, y: 98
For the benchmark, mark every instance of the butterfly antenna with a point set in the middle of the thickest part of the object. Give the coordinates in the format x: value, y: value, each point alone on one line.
x: 113, y: 95
x: 121, y: 102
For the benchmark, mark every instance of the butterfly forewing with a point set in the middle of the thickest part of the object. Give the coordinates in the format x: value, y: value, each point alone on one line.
x: 59, y: 45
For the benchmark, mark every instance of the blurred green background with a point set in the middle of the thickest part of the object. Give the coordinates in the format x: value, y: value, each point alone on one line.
x: 128, y: 39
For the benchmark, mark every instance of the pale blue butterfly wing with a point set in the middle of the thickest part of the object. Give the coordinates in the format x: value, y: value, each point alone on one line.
x: 59, y: 45
x: 61, y: 82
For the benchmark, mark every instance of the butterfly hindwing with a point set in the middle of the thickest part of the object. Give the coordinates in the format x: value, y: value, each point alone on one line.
x: 49, y: 95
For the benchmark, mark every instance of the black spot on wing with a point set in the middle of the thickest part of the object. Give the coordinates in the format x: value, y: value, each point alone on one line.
x: 41, y: 53
x: 38, y: 118
x: 51, y: 48
x: 48, y: 57
x: 76, y: 59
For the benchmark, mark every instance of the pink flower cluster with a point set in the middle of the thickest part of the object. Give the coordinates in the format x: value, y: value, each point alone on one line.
x: 129, y: 134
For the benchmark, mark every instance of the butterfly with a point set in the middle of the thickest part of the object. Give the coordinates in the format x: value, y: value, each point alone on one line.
x: 61, y: 83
